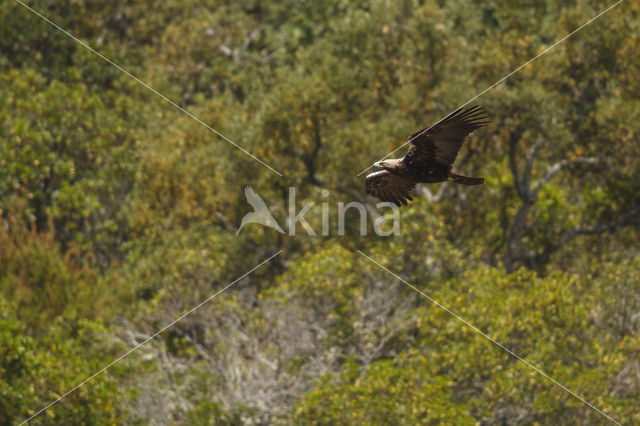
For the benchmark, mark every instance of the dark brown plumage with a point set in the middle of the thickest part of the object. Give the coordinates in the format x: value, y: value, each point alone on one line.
x: 429, y: 160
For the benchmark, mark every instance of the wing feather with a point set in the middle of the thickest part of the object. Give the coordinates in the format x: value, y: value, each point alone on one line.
x: 389, y: 187
x: 442, y: 142
x: 254, y: 200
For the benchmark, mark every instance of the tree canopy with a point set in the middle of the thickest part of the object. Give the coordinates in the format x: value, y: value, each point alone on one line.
x: 118, y: 213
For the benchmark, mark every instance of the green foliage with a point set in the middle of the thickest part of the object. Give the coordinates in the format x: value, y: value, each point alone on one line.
x: 119, y: 213
x: 34, y: 372
x: 66, y: 156
x: 451, y: 374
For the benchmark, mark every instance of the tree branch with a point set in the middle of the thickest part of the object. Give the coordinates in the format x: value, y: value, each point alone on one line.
x: 513, y: 162
x: 528, y: 166
x: 629, y: 218
x: 234, y: 53
x: 439, y: 196
x: 528, y: 196
x: 553, y: 169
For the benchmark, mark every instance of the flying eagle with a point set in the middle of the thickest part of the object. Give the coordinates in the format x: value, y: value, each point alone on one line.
x: 429, y: 160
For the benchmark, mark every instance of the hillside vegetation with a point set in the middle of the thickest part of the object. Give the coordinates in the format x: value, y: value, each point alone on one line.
x: 118, y: 213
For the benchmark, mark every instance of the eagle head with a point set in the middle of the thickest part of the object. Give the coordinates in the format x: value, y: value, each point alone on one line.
x: 391, y: 164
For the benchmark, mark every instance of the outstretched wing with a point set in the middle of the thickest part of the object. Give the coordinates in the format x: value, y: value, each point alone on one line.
x: 254, y: 199
x: 389, y: 187
x: 441, y: 143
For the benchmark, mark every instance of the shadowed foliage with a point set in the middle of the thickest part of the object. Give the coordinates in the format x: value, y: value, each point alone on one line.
x: 119, y: 213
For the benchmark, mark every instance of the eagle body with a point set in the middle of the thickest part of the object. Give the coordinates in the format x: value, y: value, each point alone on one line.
x: 429, y: 159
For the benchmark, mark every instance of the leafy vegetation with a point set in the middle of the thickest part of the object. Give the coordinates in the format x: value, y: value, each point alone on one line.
x: 119, y: 213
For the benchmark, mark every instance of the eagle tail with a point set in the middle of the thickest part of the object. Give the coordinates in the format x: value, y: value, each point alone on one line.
x: 465, y: 180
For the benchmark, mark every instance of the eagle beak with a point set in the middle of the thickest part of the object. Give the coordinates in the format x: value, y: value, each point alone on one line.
x: 377, y: 164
